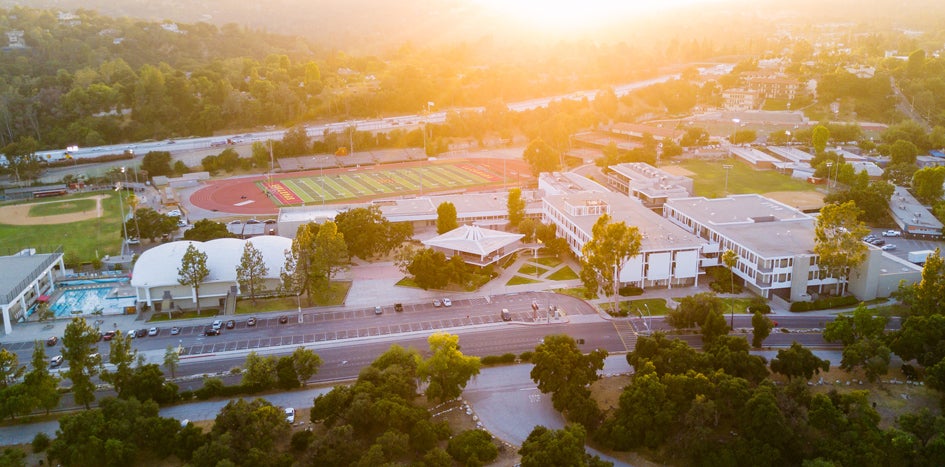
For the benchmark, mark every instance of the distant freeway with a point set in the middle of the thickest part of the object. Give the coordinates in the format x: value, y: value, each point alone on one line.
x: 316, y: 131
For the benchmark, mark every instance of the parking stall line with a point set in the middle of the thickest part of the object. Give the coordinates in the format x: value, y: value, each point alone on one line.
x: 375, y: 331
x: 362, y: 332
x: 231, y: 346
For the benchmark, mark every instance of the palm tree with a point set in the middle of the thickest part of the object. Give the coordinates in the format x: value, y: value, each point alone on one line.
x: 730, y: 259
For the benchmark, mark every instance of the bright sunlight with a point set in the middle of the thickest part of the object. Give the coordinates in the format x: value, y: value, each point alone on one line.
x: 573, y: 16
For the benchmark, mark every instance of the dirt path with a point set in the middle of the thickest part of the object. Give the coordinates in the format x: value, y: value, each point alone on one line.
x: 19, y: 214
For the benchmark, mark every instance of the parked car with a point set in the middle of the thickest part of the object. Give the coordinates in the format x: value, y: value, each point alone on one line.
x: 506, y: 315
x: 153, y: 331
x: 888, y: 247
x: 878, y: 242
x: 283, y: 319
x: 132, y: 334
x: 251, y: 321
x: 141, y: 332
x: 377, y: 310
x: 869, y: 238
x: 290, y: 415
x: 217, y: 324
x: 447, y: 302
x: 211, y: 332
x: 55, y: 361
x: 230, y: 324
x: 437, y: 303
x: 398, y: 307
x: 175, y: 330
x: 892, y: 233
x: 52, y: 341
x: 109, y: 335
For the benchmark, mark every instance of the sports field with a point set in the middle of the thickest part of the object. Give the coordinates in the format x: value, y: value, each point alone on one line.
x: 372, y: 182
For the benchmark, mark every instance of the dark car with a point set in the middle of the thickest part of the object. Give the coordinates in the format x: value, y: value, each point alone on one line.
x: 52, y: 341
x: 141, y: 332
x: 108, y: 335
x: 398, y: 307
x: 230, y: 324
x: 878, y: 242
x: 211, y: 332
x: 283, y: 319
x: 251, y: 321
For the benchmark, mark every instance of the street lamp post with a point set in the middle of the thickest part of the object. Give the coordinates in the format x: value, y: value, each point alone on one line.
x: 735, y: 122
x: 829, y: 165
x: 298, y: 299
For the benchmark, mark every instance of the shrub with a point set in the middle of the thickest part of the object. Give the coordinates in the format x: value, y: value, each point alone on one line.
x: 503, y: 359
x: 472, y: 447
x: 526, y: 356
x: 301, y: 440
x: 629, y: 291
x: 825, y: 303
x: 40, y: 442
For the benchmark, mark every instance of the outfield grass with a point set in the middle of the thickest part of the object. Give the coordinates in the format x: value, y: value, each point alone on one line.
x: 81, y: 241
x: 63, y: 207
x: 709, y: 179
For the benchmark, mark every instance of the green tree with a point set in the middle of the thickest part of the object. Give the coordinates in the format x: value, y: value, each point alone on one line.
x: 761, y: 329
x: 730, y: 259
x: 156, y: 163
x: 298, y: 272
x: 250, y: 430
x: 713, y: 327
x: 694, y: 310
x: 252, y: 271
x: 430, y: 269
x: 473, y: 447
x: 927, y: 183
x: 121, y: 355
x: 258, y: 371
x: 798, y: 361
x: 447, y: 370
x: 903, y: 152
x: 743, y: 137
x: 150, y: 224
x: 670, y: 150
x: 193, y: 271
x: 554, y: 448
x: 39, y: 383
x: 862, y: 336
x: 541, y: 157
x: 10, y: 368
x: 560, y: 368
x: 329, y: 256
x: 205, y: 230
x: 446, y: 218
x: 820, y: 135
x: 171, y: 360
x: 306, y: 364
x: 516, y: 205
x: 837, y: 241
x: 368, y: 233
x: 612, y: 245
x: 77, y: 342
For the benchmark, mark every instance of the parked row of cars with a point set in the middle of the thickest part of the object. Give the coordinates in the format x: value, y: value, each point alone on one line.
x: 878, y: 241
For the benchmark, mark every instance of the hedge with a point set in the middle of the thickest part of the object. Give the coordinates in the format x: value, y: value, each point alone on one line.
x: 825, y: 303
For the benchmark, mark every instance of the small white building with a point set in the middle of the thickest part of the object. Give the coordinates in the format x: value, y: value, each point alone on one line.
x: 476, y: 245
x: 155, y: 273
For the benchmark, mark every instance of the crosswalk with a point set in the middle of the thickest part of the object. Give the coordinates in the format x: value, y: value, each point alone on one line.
x: 627, y: 333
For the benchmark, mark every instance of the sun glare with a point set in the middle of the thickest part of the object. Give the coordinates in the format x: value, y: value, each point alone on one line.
x: 571, y: 15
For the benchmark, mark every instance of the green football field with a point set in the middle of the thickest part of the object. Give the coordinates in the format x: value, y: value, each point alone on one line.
x: 370, y: 182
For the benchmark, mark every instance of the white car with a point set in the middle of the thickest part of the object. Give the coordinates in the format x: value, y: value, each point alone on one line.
x: 892, y: 233
x: 217, y: 324
x: 290, y: 415
x: 888, y: 246
x: 153, y: 331
x: 447, y: 302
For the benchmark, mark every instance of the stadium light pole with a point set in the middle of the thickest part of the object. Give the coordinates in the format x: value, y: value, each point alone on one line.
x: 726, y: 167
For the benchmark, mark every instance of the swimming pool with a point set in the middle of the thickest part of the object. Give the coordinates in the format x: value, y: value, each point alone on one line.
x: 76, y: 302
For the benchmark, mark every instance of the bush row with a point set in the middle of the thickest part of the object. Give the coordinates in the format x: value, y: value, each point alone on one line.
x: 825, y: 303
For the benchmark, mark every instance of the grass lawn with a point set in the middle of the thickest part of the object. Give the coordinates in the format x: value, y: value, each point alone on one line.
x: 81, y: 241
x: 656, y: 307
x: 579, y: 292
x: 549, y: 261
x: 519, y: 280
x: 64, y: 207
x: 709, y: 180
x: 531, y: 270
x: 159, y: 316
x: 563, y: 274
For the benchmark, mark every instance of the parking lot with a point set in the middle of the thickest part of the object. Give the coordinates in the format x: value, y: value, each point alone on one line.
x: 905, y: 245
